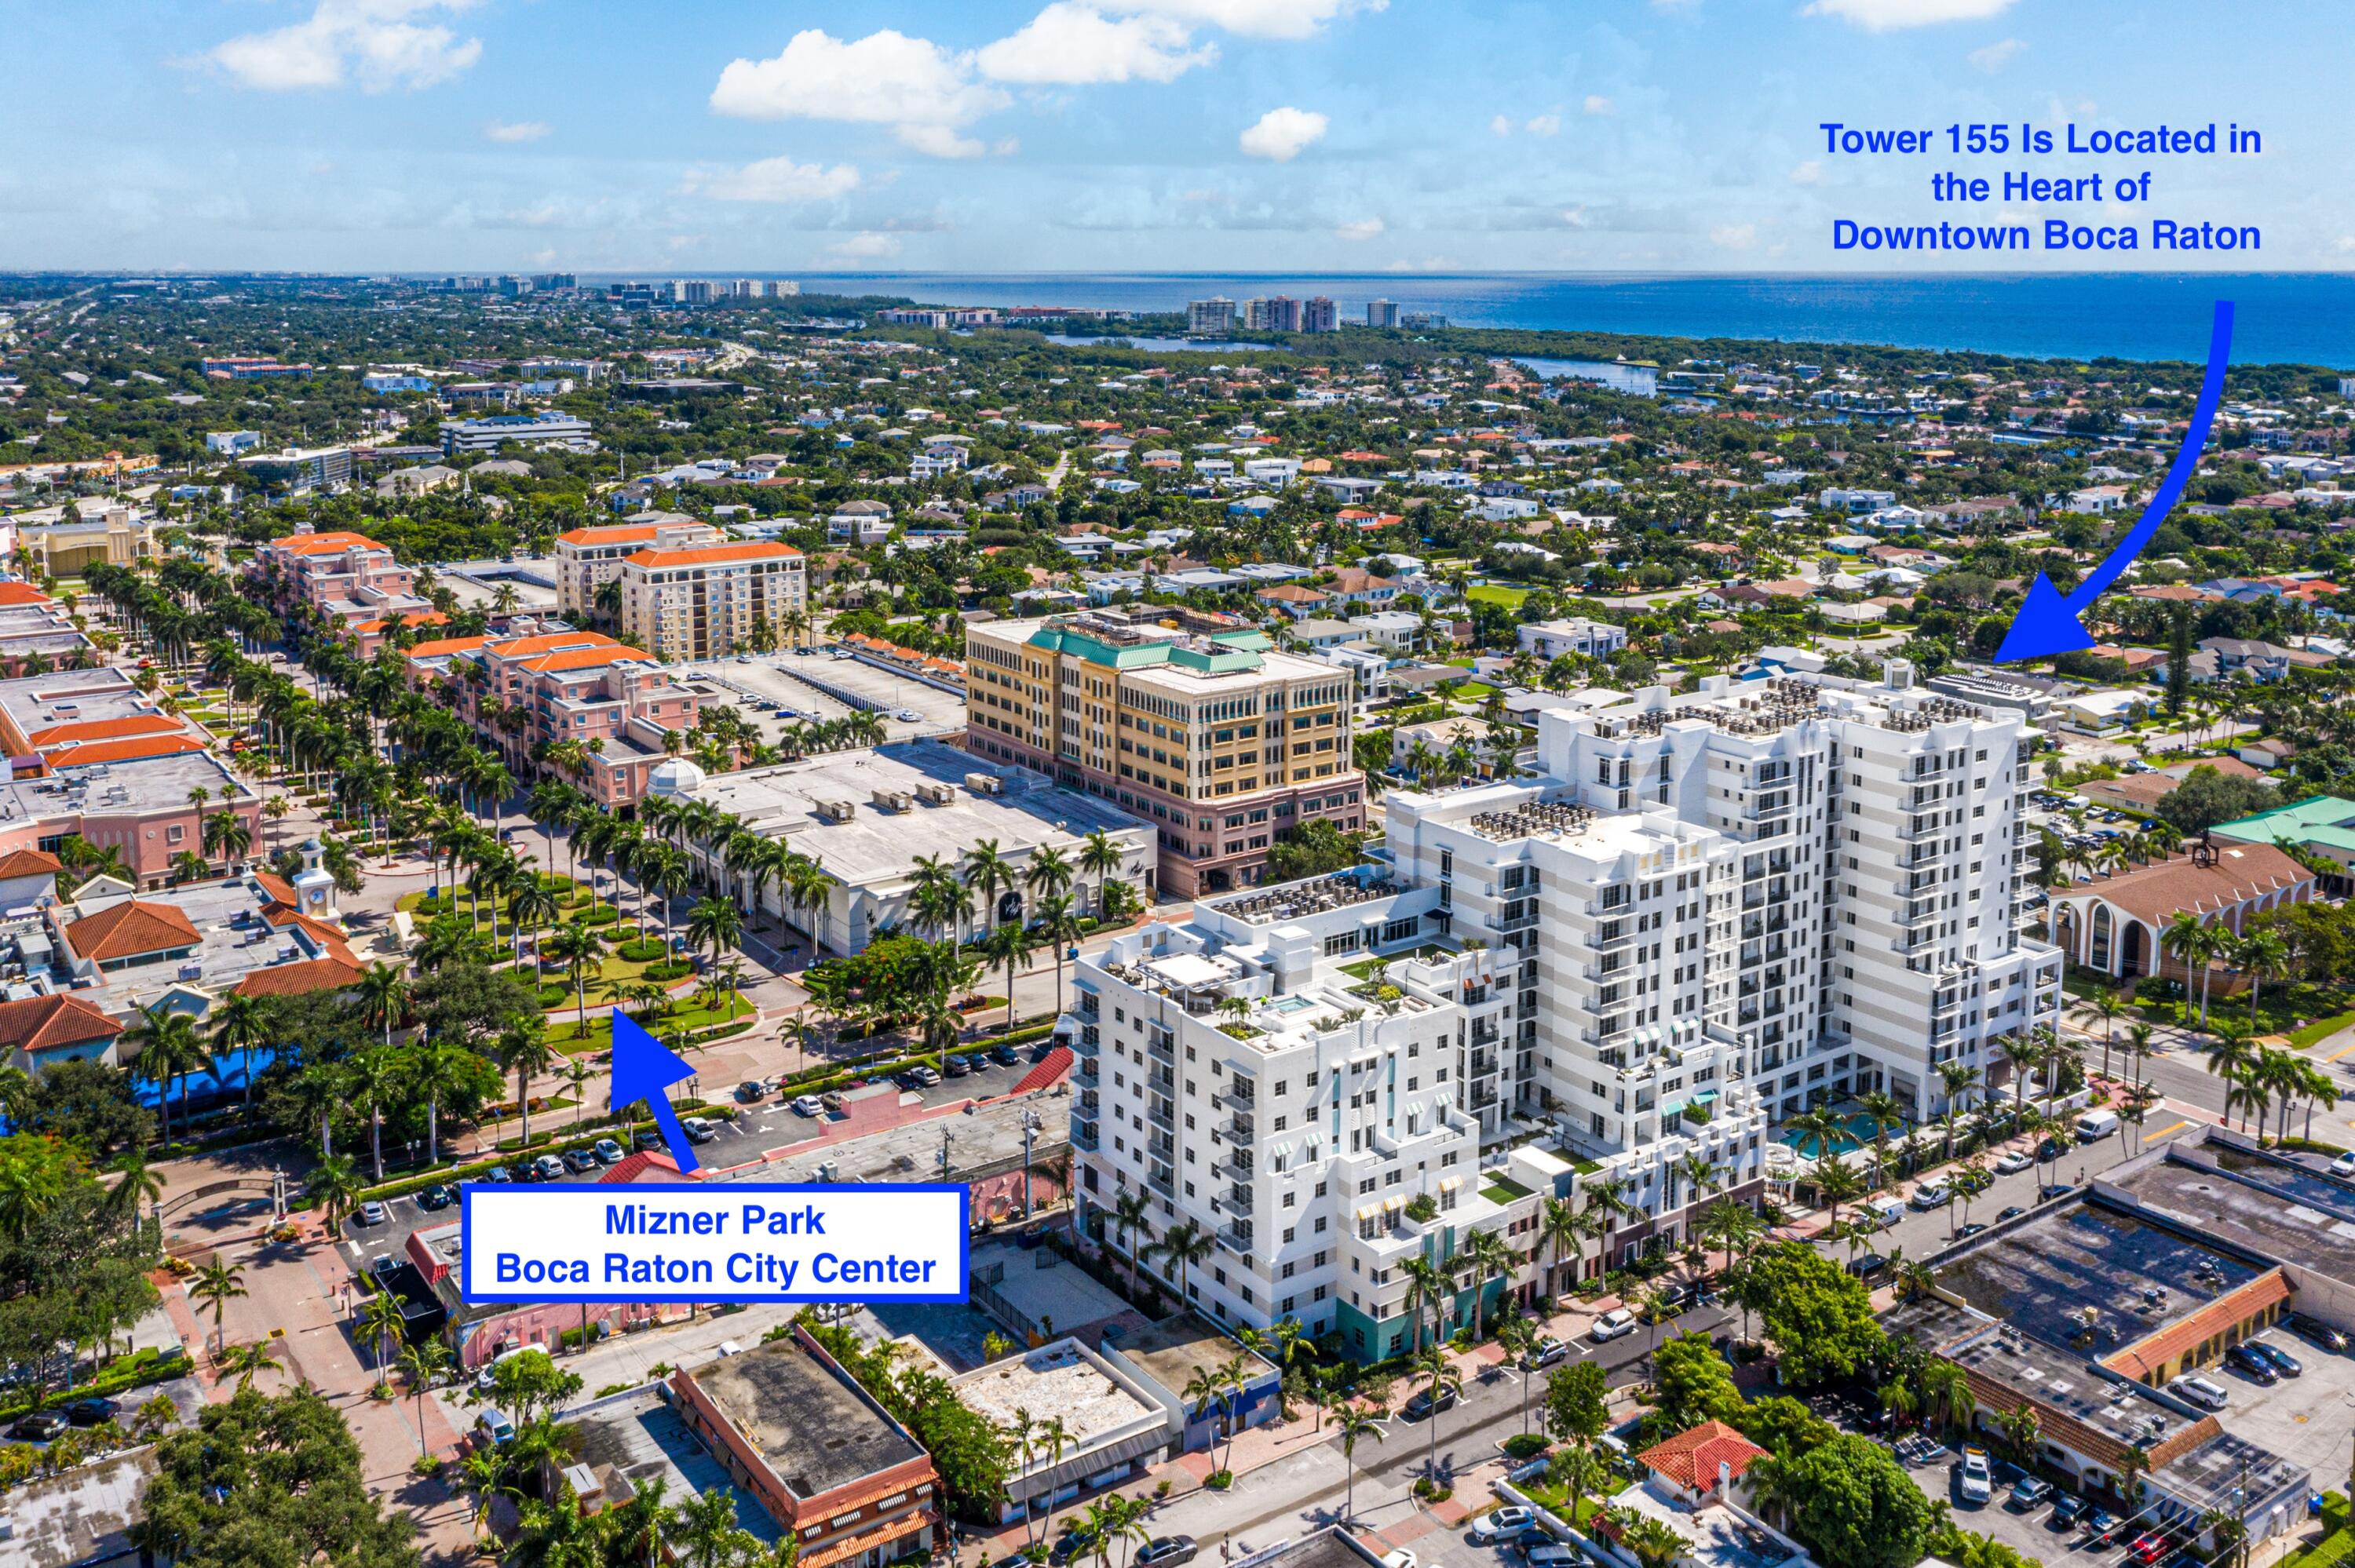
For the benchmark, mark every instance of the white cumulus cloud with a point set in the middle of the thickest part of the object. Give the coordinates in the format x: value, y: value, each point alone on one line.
x: 867, y: 246
x: 1364, y: 228
x: 1543, y: 125
x: 924, y: 93
x: 1993, y: 58
x: 1069, y: 44
x: 1250, y: 18
x: 518, y: 130
x: 1734, y: 235
x: 1282, y: 134
x: 1502, y: 126
x: 1598, y: 104
x: 379, y: 44
x: 776, y: 179
x: 1809, y: 172
x: 1882, y: 16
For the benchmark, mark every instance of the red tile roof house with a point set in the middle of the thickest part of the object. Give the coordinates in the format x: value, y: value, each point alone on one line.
x: 42, y: 1031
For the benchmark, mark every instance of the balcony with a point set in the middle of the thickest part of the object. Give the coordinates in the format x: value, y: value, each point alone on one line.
x: 1240, y: 1128
x: 1159, y: 1179
x: 1161, y: 1119
x: 1090, y: 1037
x: 1084, y: 1135
x: 1237, y: 1239
x: 1089, y: 1069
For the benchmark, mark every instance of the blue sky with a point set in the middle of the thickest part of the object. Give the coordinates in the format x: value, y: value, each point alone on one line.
x: 1142, y: 135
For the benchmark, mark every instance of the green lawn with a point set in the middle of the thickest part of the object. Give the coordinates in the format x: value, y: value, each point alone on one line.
x: 572, y: 1040
x: 1493, y: 593
x: 613, y: 973
x: 2319, y: 1030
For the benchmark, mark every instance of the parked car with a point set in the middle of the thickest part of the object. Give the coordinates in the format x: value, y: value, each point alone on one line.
x: 1166, y: 1551
x: 495, y: 1427
x: 39, y: 1427
x: 371, y: 1212
x: 1968, y: 1230
x: 2013, y: 1162
x: 1978, y: 1480
x: 2030, y: 1490
x: 92, y: 1411
x: 2051, y: 1190
x: 2199, y: 1391
x: 1932, y: 1195
x: 697, y: 1129
x: 650, y: 1139
x: 2251, y: 1366
x: 1504, y: 1524
x: 908, y: 716
x: 1545, y: 1353
x: 2067, y: 1509
x: 2146, y: 1550
x: 809, y: 1105
x: 607, y: 1152
x: 524, y: 1172
x: 497, y: 1176
x: 1612, y: 1324
x: 2283, y: 1361
x: 1868, y: 1266
x: 1424, y: 1404
x: 436, y: 1198
x: 2315, y: 1331
x: 580, y: 1160
x: 751, y: 1090
x: 2013, y: 1213
x: 1005, y: 1056
x: 955, y: 1065
x: 2101, y: 1527
x: 1542, y: 1552
x: 548, y: 1167
x: 2344, y: 1165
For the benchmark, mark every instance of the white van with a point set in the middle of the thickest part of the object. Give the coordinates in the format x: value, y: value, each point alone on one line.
x: 2199, y: 1391
x: 1885, y: 1212
x: 2097, y: 1125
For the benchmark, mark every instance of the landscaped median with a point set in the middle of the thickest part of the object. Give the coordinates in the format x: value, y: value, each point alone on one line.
x: 542, y: 1143
x: 821, y: 1080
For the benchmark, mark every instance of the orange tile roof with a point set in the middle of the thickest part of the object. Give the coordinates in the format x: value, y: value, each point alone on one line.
x: 80, y: 730
x: 2156, y: 892
x: 586, y: 658
x: 84, y: 754
x: 446, y: 645
x: 619, y: 533
x: 278, y: 888
x: 408, y: 618
x: 547, y: 643
x: 30, y: 862
x: 714, y: 555
x: 300, y: 978
x: 45, y: 1023
x: 129, y: 928
x: 324, y: 544
x: 23, y: 593
x: 1690, y: 1458
x: 2150, y: 1356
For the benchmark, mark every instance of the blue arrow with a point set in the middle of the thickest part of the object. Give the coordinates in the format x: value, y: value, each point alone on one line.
x: 2048, y: 624
x: 643, y: 1069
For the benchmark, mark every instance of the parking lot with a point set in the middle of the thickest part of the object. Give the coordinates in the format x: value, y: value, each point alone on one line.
x: 2303, y: 1420
x: 799, y: 681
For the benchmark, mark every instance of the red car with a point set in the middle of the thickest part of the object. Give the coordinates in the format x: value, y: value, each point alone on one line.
x: 2146, y: 1550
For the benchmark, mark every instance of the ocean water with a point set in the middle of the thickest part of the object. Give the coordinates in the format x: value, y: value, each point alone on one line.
x: 2307, y: 318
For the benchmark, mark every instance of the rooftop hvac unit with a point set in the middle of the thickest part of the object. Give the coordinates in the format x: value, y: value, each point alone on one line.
x: 985, y: 783
x: 937, y: 794
x: 894, y: 799
x: 836, y: 810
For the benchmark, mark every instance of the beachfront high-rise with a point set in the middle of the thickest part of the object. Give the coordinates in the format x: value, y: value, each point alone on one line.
x: 1221, y: 742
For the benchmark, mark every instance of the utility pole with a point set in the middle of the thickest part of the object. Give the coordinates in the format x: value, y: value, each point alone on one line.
x: 1030, y: 1129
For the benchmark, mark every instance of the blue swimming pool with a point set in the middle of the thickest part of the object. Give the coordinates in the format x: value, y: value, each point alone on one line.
x: 1857, y: 1131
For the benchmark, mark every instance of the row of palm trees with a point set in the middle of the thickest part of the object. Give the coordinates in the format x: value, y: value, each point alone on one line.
x: 2261, y: 954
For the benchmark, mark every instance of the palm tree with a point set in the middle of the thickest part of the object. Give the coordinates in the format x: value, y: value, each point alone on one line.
x: 334, y: 1186
x: 1130, y: 1214
x: 1439, y: 1374
x: 1058, y: 925
x: 238, y: 1031
x: 169, y: 1050
x: 1558, y: 1231
x: 989, y: 873
x: 217, y: 1285
x: 1486, y: 1256
x: 1353, y: 1423
x: 1181, y: 1246
x: 1836, y: 1183
x: 421, y: 1365
x: 248, y: 1360
x: 2261, y: 957
x: 522, y: 1049
x: 1428, y: 1285
x: 2193, y: 941
x: 437, y: 1070
x: 1100, y: 857
x: 2106, y: 1006
x: 716, y: 924
x: 380, y: 1324
x: 2228, y: 1053
x: 577, y: 947
x: 1011, y: 944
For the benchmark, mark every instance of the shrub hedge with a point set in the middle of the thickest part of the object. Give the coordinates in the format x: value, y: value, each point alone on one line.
x: 143, y: 1368
x: 640, y: 951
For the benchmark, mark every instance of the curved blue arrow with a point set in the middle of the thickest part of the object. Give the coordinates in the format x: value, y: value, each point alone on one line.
x: 644, y: 1069
x: 2048, y: 624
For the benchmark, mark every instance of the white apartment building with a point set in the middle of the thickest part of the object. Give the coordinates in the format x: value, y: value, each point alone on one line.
x: 588, y: 558
x: 1711, y: 912
x: 1264, y: 1075
x: 706, y: 600
x: 1880, y: 869
x: 1552, y: 639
